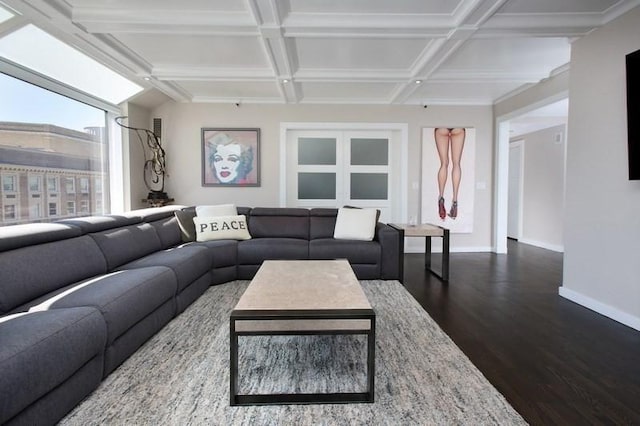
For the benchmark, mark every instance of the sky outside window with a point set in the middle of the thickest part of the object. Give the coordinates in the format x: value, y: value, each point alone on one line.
x: 25, y: 103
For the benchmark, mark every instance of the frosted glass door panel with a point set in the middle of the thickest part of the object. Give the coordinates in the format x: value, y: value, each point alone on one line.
x: 330, y: 168
x: 369, y: 186
x: 369, y: 152
x: 317, y: 151
x: 316, y: 186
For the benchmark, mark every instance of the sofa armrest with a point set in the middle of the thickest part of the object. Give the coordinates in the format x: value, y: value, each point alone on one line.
x: 391, y: 240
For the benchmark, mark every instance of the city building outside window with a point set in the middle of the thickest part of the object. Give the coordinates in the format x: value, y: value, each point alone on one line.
x: 70, y: 185
x: 9, y: 183
x: 9, y: 212
x: 52, y: 185
x: 84, y: 185
x: 51, y: 155
x: 35, y: 210
x: 35, y: 183
x: 54, y: 119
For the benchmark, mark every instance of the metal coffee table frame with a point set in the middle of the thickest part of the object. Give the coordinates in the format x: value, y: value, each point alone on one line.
x: 293, y: 315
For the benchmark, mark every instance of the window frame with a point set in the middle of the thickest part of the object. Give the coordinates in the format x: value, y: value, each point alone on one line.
x: 56, y: 186
x: 83, y: 183
x: 15, y: 183
x: 4, y: 212
x: 38, y: 179
x: 70, y: 180
x: 115, y: 195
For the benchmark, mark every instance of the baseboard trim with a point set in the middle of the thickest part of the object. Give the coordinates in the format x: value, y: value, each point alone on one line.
x: 601, y: 308
x: 547, y: 246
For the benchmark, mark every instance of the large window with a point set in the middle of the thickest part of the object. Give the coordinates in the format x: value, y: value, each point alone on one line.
x: 49, y: 139
x: 57, y: 105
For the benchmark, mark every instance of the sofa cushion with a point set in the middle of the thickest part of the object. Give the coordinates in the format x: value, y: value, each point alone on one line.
x: 122, y: 245
x: 100, y: 223
x: 42, y: 350
x: 29, y: 272
x: 221, y: 228
x: 353, y: 250
x: 322, y: 223
x: 16, y: 236
x: 186, y: 225
x: 223, y: 252
x: 124, y: 297
x: 254, y: 252
x: 279, y: 223
x: 168, y: 231
x: 188, y: 262
x: 355, y: 224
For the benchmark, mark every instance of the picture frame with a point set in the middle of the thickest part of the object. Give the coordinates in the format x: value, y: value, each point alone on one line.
x: 452, y: 139
x: 230, y: 157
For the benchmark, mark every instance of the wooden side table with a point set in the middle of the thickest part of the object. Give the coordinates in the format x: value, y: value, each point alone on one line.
x: 427, y: 231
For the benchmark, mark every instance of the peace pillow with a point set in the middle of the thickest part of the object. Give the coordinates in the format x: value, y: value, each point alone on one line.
x: 221, y: 228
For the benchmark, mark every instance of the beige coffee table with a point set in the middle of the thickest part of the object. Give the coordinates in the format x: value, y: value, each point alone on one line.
x: 303, y: 297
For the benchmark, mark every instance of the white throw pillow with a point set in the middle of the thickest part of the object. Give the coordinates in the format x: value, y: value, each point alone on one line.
x: 219, y: 210
x: 355, y: 224
x: 221, y: 228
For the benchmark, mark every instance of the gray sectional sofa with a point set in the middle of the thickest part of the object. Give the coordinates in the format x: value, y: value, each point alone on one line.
x: 79, y: 296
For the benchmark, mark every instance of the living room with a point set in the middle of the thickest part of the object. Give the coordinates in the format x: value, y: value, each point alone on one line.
x: 601, y: 231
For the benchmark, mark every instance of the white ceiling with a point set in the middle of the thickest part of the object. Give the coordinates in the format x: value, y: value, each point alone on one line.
x: 454, y: 52
x: 550, y: 115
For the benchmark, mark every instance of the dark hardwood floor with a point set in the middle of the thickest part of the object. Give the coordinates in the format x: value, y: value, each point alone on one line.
x: 555, y: 361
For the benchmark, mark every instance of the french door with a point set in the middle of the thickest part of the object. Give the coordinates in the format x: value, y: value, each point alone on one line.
x: 333, y: 168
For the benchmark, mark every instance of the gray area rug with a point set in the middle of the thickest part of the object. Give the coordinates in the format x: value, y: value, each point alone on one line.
x: 181, y: 375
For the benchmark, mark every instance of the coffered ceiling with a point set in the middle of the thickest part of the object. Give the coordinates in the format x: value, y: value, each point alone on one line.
x: 462, y: 52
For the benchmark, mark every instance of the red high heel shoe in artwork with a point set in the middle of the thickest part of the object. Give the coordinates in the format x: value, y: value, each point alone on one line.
x: 442, y: 212
x: 453, y: 213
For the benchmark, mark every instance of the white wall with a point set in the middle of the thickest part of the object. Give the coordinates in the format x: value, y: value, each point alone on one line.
x: 182, y: 141
x: 543, y: 192
x: 135, y: 189
x: 602, y: 220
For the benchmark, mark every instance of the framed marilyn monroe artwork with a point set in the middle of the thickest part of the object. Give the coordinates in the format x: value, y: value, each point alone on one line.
x: 230, y: 157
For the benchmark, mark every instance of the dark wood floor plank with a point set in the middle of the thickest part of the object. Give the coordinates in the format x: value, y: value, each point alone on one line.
x: 555, y: 361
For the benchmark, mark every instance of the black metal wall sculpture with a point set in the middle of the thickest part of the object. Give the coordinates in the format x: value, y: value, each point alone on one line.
x: 154, y: 169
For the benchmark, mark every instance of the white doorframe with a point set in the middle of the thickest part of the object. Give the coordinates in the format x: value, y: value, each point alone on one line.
x: 519, y: 145
x: 401, y: 128
x: 501, y: 187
